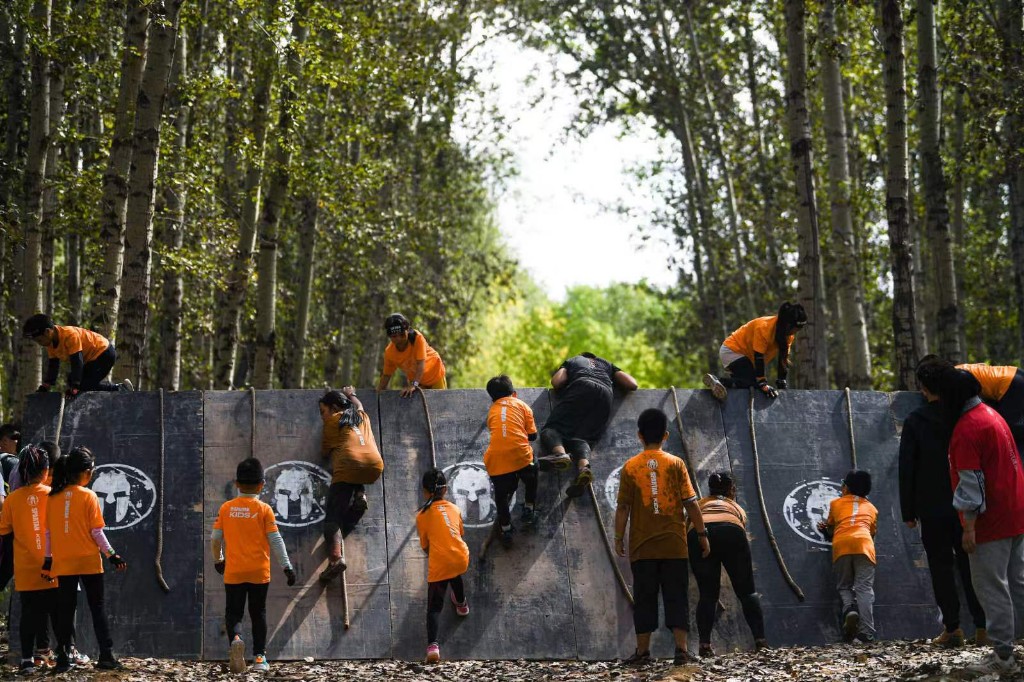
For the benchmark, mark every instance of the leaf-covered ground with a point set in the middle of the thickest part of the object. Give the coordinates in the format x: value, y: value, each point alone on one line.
x: 882, y: 661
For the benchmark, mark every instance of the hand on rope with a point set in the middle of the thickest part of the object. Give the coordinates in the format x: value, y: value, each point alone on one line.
x: 766, y: 389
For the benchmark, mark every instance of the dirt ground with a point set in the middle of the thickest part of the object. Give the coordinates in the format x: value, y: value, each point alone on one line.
x: 881, y: 661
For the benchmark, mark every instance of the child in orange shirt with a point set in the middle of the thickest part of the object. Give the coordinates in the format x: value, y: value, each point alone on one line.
x: 439, y: 524
x: 509, y: 456
x: 75, y: 546
x: 23, y: 523
x: 851, y: 525
x: 246, y: 531
x: 90, y: 355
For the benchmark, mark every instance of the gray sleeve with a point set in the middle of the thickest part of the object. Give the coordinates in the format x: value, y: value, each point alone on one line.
x: 278, y: 548
x: 969, y: 496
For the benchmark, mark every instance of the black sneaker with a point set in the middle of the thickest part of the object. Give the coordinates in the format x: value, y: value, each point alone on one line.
x: 63, y: 664
x: 704, y: 651
x: 505, y: 535
x: 638, y: 658
x: 333, y: 570
x: 359, y: 503
x: 684, y: 657
x: 865, y: 638
x: 27, y: 667
x: 529, y: 517
x: 108, y: 662
x: 851, y: 623
x: 579, y: 486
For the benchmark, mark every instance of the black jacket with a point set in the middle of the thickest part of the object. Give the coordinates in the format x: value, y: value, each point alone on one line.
x: 925, y: 489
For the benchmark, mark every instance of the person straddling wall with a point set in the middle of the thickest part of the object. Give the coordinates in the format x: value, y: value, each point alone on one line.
x: 409, y: 351
x: 90, y: 355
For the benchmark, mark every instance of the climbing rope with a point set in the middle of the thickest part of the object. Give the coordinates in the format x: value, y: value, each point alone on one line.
x: 160, y: 507
x: 764, y: 511
x: 608, y: 547
x: 430, y: 428
x: 849, y: 421
x: 60, y: 420
x: 686, y: 450
x: 344, y: 588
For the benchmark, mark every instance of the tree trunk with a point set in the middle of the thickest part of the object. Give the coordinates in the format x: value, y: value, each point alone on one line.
x: 106, y: 295
x: 1012, y: 12
x: 50, y: 195
x: 133, y: 315
x: 270, y: 216
x: 959, y: 206
x: 857, y: 353
x: 923, y: 303
x: 811, y: 342
x: 308, y: 216
x: 232, y: 296
x: 73, y: 239
x: 933, y: 178
x: 896, y: 193
x: 173, y: 230
x: 29, y: 357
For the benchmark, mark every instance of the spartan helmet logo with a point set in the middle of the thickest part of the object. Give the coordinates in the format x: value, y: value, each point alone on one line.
x: 652, y: 464
x: 126, y: 494
x: 611, y: 488
x: 469, y: 486
x: 297, y: 492
x: 32, y: 500
x: 807, y: 504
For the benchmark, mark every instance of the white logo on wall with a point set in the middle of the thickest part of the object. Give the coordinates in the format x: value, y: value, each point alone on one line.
x: 807, y: 504
x: 611, y: 488
x: 126, y: 495
x: 297, y: 492
x: 470, y: 488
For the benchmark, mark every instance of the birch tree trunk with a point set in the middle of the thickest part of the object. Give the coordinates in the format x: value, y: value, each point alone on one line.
x: 896, y: 193
x: 857, y: 353
x: 1012, y: 15
x: 958, y: 195
x: 232, y: 296
x: 309, y: 213
x: 270, y: 216
x: 133, y: 315
x: 50, y: 198
x: 106, y: 294
x: 812, y: 347
x: 73, y: 239
x: 29, y: 357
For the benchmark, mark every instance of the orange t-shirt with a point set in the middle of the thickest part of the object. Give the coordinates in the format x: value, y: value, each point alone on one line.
x: 994, y: 380
x: 245, y: 522
x: 353, y: 451
x: 24, y: 514
x: 854, y: 521
x: 71, y: 515
x: 440, y: 530
x: 71, y: 340
x: 655, y: 485
x: 717, y: 509
x: 433, y: 369
x: 511, y: 422
x: 757, y: 336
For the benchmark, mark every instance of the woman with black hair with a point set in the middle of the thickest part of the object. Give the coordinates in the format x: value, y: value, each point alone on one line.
x: 726, y: 526
x: 355, y: 463
x: 409, y: 351
x: 76, y: 545
x: 748, y: 349
x: 439, y: 525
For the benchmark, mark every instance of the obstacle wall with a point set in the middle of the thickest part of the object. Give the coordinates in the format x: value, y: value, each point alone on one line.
x: 167, y: 461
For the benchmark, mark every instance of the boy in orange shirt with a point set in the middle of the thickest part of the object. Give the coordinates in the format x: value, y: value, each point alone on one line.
x: 851, y: 525
x: 409, y: 351
x: 90, y: 355
x: 509, y: 456
x: 439, y: 525
x: 246, y: 531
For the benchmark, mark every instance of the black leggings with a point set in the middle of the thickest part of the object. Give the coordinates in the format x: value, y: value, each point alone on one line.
x: 731, y: 550
x: 234, y: 608
x: 435, y: 602
x: 576, y: 448
x: 946, y: 557
x: 341, y: 514
x: 741, y: 374
x: 1011, y: 408
x: 505, y: 486
x: 94, y: 373
x: 37, y: 613
x: 67, y: 602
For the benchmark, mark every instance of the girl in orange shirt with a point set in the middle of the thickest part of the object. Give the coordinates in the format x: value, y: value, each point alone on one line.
x: 74, y: 543
x: 439, y: 524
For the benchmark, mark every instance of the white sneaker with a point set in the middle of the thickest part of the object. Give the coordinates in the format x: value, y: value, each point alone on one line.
x: 125, y: 386
x: 994, y: 664
x: 717, y: 387
x: 236, y: 656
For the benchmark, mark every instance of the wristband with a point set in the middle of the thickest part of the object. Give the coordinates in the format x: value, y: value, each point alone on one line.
x: 415, y: 384
x: 702, y: 534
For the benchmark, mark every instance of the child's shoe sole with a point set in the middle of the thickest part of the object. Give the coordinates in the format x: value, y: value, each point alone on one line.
x: 236, y: 657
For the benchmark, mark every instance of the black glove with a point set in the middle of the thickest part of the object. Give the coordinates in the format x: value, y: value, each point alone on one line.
x: 71, y: 394
x: 118, y: 563
x: 43, y: 388
x: 782, y: 384
x: 48, y: 563
x: 764, y: 387
x: 290, y: 573
x: 219, y: 566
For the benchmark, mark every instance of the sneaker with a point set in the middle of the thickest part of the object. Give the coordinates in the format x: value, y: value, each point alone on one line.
x: 236, y: 655
x: 333, y: 570
x: 683, y: 657
x: 980, y: 638
x: 579, y: 486
x: 760, y: 644
x: 433, y: 653
x: 529, y: 517
x: 865, y: 638
x: 851, y: 624
x: 993, y: 663
x: 27, y: 667
x: 558, y: 461
x: 949, y: 640
x: 718, y: 389
x: 108, y: 662
x: 63, y: 664
x: 126, y: 386
x: 44, y: 658
x: 462, y: 610
x: 259, y: 663
x: 638, y: 658
x: 359, y: 503
x: 704, y: 651
x: 505, y: 535
x: 77, y: 657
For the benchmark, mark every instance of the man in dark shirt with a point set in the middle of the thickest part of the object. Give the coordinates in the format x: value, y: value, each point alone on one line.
x: 584, y: 386
x: 926, y: 498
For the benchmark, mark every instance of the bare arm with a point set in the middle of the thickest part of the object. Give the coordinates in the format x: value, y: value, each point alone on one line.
x: 559, y: 378
x: 697, y: 519
x: 350, y: 393
x: 621, y: 517
x: 625, y: 381
x: 385, y: 379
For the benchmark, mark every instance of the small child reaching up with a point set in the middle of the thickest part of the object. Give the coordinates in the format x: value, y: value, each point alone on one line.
x: 509, y: 456
x: 246, y: 531
x: 851, y: 525
x: 439, y: 524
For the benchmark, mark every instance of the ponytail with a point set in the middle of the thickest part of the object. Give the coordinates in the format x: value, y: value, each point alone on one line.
x: 68, y: 469
x: 32, y: 462
x: 435, y: 483
x: 339, y: 402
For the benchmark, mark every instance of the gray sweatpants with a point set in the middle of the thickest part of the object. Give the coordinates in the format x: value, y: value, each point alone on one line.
x: 855, y: 578
x: 997, y: 571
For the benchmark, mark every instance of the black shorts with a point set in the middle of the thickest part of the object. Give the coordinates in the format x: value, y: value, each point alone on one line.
x: 582, y: 410
x: 671, y: 578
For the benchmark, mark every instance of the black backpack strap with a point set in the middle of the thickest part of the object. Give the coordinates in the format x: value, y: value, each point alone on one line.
x: 412, y: 336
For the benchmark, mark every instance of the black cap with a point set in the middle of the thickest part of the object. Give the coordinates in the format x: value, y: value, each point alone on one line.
x: 396, y: 323
x: 249, y: 472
